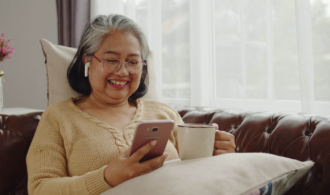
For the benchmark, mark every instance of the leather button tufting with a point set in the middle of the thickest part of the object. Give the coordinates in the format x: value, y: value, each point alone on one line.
x: 308, y: 133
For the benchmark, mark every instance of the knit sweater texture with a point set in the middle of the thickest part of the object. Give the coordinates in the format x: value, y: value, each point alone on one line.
x: 71, y: 149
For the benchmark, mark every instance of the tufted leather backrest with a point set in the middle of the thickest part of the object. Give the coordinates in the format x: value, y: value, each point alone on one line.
x: 290, y: 135
x: 16, y: 133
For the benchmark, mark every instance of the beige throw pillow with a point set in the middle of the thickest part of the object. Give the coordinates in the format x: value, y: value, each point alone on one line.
x: 236, y: 173
x: 58, y: 59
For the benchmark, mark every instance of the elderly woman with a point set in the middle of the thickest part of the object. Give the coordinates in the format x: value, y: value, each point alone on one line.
x: 81, y: 145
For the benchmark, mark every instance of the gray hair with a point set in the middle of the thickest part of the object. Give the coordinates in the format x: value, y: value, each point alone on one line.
x: 102, y: 25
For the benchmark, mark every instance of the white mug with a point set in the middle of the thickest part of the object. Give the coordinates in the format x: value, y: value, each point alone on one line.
x: 195, y: 140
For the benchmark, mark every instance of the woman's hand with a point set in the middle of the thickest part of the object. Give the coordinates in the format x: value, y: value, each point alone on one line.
x: 126, y: 167
x: 224, y: 142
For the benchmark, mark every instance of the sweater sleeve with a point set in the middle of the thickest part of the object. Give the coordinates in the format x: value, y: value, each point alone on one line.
x: 47, y: 164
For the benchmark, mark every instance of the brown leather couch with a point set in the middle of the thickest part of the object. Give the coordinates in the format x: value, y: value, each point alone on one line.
x: 295, y: 136
x: 16, y: 133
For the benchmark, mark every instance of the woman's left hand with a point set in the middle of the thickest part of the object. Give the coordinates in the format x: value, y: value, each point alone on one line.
x: 224, y: 142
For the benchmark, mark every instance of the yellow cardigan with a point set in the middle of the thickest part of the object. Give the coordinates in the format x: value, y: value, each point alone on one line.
x: 71, y: 149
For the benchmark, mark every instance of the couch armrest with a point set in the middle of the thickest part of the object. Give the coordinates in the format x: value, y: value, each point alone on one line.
x: 16, y: 133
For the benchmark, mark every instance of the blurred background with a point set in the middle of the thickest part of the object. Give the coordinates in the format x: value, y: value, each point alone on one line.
x: 256, y: 55
x: 25, y: 22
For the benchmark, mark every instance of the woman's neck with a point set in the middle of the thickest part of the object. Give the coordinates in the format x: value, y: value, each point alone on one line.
x: 101, y: 104
x: 116, y: 115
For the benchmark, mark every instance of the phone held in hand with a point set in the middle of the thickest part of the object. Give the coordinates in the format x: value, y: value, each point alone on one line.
x: 149, y: 130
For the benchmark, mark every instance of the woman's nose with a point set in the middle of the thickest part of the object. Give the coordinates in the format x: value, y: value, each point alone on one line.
x: 122, y: 70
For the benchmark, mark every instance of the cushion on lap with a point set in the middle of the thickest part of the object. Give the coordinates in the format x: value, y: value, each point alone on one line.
x: 236, y: 173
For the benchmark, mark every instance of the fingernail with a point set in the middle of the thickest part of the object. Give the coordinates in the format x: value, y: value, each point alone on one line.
x: 153, y: 142
x: 165, y: 155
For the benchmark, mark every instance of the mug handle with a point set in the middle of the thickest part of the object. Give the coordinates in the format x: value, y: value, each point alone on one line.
x: 216, y: 126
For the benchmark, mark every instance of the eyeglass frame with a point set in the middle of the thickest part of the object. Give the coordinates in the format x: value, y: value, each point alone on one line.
x: 144, y: 63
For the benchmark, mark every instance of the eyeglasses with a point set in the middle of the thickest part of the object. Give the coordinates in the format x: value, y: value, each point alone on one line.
x: 113, y: 65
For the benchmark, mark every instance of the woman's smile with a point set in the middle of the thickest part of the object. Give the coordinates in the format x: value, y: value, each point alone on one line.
x: 118, y: 83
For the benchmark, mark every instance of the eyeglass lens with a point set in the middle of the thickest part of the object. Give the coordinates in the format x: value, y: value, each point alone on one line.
x: 114, y: 65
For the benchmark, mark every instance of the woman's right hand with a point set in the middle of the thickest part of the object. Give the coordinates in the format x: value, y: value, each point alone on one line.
x: 126, y: 167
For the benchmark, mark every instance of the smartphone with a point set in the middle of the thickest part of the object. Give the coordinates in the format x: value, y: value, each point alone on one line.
x: 149, y: 130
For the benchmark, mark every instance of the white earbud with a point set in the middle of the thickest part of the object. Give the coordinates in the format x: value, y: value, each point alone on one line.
x: 86, y: 69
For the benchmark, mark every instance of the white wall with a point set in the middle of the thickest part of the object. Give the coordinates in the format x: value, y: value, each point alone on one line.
x: 25, y: 73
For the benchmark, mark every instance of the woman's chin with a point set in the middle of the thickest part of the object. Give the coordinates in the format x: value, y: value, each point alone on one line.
x: 118, y: 98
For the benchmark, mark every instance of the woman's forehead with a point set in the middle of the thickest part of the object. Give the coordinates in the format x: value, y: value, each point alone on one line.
x: 118, y: 43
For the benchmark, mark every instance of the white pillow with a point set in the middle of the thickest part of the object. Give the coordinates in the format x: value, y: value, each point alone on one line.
x: 58, y: 59
x: 236, y: 173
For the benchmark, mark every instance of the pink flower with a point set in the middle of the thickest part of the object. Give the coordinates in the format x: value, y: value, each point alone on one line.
x: 5, y: 49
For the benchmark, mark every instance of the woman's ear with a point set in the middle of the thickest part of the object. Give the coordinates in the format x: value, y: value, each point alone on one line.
x: 84, y: 58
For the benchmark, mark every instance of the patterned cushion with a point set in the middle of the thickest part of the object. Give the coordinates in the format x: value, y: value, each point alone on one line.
x: 280, y: 184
